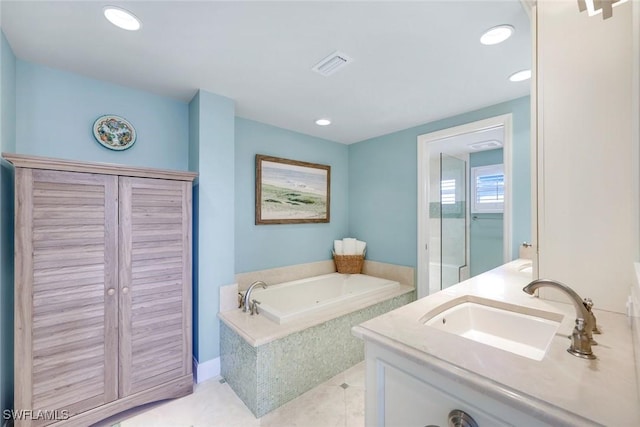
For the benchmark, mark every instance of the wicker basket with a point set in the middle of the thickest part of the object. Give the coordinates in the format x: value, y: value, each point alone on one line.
x: 348, y: 264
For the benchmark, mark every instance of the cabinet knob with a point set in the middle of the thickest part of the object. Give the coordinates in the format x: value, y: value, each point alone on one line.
x: 111, y: 291
x: 125, y: 290
x: 459, y: 418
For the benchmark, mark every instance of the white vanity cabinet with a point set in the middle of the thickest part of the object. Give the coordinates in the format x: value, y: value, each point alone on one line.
x: 402, y: 393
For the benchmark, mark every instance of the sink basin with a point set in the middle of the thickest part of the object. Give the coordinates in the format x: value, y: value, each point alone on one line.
x: 519, y: 330
x: 526, y: 268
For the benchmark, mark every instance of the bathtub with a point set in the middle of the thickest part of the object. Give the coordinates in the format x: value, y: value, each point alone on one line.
x: 302, y: 336
x: 289, y: 301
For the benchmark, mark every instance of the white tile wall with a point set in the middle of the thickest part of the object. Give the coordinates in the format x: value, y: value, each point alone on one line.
x: 229, y: 297
x: 285, y: 274
x: 402, y: 274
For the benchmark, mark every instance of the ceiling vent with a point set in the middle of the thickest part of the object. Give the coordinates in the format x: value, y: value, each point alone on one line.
x: 332, y: 63
x: 485, y: 145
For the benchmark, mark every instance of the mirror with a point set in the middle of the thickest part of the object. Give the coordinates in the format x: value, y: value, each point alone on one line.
x: 475, y: 203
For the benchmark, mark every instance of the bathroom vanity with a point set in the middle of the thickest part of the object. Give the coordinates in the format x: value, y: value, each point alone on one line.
x: 418, y: 371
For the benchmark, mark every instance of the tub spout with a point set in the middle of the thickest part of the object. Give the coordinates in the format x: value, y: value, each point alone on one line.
x: 581, y: 338
x: 246, y: 303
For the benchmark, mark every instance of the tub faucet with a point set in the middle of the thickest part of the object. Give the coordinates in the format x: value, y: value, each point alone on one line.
x: 246, y: 300
x: 581, y: 338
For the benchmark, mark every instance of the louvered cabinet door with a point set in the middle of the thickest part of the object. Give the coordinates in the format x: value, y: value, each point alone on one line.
x: 155, y: 282
x: 66, y: 291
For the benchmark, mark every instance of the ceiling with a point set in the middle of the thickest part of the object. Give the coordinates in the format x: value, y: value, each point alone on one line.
x: 414, y: 62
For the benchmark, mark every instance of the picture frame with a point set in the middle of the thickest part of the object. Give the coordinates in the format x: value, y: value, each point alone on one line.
x: 292, y: 191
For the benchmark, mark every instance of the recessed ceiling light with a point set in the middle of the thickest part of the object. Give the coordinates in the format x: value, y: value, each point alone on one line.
x: 520, y: 76
x: 497, y: 34
x: 122, y: 18
x: 323, y: 122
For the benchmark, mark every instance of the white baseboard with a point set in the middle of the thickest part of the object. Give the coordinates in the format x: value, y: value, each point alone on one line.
x: 206, y: 370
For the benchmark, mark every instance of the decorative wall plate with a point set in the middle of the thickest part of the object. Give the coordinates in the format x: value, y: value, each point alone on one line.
x: 114, y: 132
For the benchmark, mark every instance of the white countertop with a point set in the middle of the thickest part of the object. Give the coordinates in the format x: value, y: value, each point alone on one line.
x: 555, y: 389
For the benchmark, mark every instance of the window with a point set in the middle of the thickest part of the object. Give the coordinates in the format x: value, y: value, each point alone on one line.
x: 487, y: 189
x: 448, y: 191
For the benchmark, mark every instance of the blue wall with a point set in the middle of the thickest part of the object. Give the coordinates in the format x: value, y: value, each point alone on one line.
x: 8, y: 96
x: 7, y: 144
x: 194, y: 166
x: 383, y: 196
x: 521, y: 174
x: 56, y: 111
x: 267, y: 246
x: 486, y: 234
x: 48, y: 112
x: 211, y: 152
x: 373, y: 191
x: 383, y: 184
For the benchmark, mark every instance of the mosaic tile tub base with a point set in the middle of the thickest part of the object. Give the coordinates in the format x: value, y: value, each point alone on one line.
x: 268, y: 376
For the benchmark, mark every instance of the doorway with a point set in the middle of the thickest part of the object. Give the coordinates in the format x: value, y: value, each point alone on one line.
x: 464, y: 202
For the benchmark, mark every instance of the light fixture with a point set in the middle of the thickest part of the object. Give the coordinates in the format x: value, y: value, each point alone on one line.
x: 485, y: 145
x: 594, y: 7
x: 520, y: 76
x: 122, y: 18
x: 323, y: 122
x: 497, y: 34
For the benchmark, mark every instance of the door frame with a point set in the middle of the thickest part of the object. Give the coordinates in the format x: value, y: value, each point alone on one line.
x: 423, y: 287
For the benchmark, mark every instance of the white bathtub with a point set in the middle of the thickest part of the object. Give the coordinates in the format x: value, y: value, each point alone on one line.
x: 288, y: 301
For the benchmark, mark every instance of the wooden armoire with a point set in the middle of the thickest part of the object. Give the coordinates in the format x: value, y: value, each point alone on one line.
x: 102, y: 288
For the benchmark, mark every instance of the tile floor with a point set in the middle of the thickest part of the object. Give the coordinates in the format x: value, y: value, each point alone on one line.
x: 338, y: 402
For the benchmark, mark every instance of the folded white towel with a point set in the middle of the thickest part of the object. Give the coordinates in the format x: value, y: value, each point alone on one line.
x: 337, y: 247
x: 360, y: 247
x: 349, y: 246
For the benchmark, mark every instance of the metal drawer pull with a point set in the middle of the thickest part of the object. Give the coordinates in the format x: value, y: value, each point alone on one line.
x: 459, y: 418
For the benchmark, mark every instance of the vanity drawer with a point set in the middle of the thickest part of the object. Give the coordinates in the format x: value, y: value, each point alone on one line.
x: 401, y: 392
x: 409, y: 401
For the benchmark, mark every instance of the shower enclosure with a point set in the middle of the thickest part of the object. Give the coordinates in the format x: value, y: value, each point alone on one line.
x: 448, y: 217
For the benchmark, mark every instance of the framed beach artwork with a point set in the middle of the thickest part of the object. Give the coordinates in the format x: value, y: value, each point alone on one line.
x: 291, y: 192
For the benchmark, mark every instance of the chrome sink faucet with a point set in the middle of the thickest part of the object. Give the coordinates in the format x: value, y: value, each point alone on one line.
x: 246, y: 302
x: 581, y: 338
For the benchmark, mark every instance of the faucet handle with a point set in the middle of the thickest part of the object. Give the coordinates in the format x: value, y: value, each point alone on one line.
x: 254, y: 307
x: 588, y: 303
x: 240, y: 300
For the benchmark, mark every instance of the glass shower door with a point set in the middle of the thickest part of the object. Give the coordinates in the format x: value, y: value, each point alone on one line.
x: 453, y: 219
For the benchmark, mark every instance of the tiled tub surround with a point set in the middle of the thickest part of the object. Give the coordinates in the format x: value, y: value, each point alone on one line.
x: 267, y: 364
x: 559, y: 390
x: 399, y: 273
